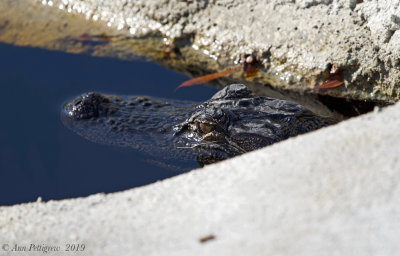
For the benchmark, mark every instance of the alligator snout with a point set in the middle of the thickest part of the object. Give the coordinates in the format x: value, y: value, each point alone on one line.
x: 85, y: 106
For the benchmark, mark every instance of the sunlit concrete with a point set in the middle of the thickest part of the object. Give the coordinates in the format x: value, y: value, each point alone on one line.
x: 296, y: 41
x: 335, y: 191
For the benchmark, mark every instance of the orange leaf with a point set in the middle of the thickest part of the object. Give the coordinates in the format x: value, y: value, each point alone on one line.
x: 329, y: 84
x: 207, y: 78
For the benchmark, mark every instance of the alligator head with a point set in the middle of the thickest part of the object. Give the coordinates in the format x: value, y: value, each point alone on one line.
x: 232, y: 122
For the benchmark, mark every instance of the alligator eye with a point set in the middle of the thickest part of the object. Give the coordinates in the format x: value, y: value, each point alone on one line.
x: 206, y: 127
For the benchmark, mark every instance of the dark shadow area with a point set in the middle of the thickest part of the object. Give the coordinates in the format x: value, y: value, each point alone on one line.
x: 349, y: 107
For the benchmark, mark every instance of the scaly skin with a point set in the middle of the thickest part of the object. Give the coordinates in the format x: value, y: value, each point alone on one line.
x: 232, y: 122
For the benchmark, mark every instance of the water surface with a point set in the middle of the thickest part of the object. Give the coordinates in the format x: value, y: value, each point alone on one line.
x: 41, y: 157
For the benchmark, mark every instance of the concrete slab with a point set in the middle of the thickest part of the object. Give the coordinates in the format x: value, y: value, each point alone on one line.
x: 296, y: 42
x: 331, y: 192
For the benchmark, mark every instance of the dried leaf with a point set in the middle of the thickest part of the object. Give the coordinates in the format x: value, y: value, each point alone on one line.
x: 207, y: 78
x: 329, y: 84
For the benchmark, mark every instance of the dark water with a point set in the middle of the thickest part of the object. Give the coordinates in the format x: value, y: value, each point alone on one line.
x: 39, y: 156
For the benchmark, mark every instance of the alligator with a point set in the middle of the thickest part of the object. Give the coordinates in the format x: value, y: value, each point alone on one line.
x: 231, y: 123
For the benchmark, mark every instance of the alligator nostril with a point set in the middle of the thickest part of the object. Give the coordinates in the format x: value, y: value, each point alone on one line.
x: 84, y: 106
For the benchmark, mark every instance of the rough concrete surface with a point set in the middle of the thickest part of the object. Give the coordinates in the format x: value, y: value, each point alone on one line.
x: 296, y: 40
x: 32, y: 24
x: 331, y: 192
